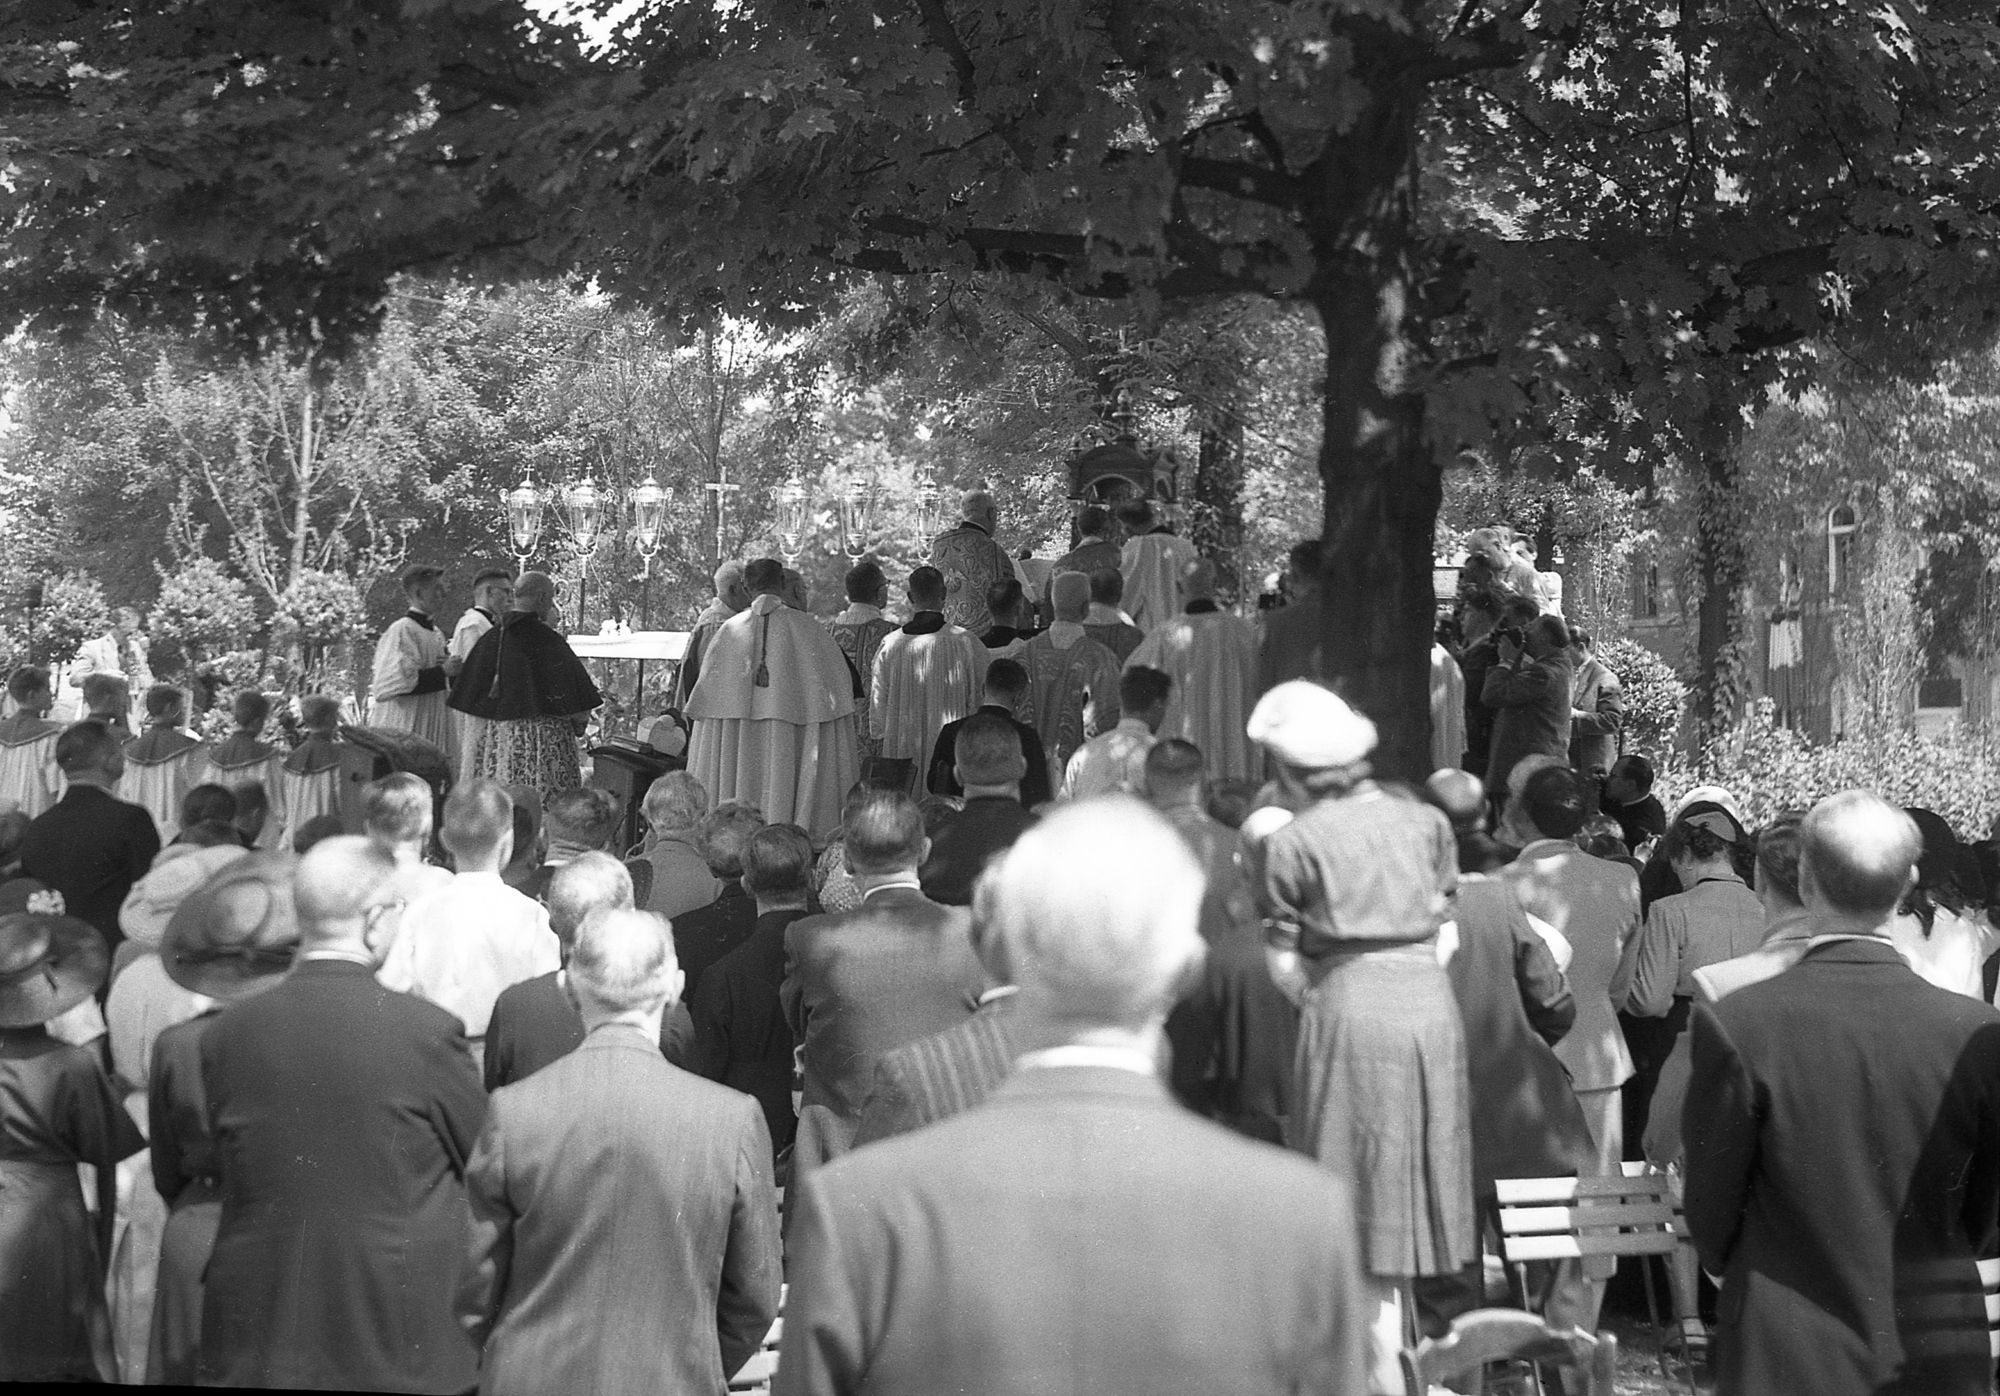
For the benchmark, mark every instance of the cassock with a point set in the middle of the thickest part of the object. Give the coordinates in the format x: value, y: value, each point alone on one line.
x: 788, y: 745
x: 926, y: 675
x: 1212, y: 658
x: 408, y: 691
x: 161, y: 766
x: 859, y: 631
x: 28, y: 774
x: 1153, y: 564
x: 525, y: 681
x: 240, y: 759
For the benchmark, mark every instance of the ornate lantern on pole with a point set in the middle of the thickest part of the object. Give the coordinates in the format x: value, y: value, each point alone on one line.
x: 583, y: 511
x: 930, y: 507
x: 857, y: 517
x: 524, y: 504
x: 794, y: 519
x: 649, y: 514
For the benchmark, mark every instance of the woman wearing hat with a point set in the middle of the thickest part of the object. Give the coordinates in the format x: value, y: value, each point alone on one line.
x: 1942, y: 928
x: 1357, y: 885
x: 227, y: 940
x: 57, y: 1109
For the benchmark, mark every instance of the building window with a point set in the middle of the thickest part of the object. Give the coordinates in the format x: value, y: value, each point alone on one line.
x: 1646, y: 600
x: 1841, y: 524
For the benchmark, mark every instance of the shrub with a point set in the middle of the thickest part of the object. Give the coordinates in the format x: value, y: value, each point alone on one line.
x: 1654, y: 695
x: 1769, y: 768
x: 73, y: 610
x: 201, y: 611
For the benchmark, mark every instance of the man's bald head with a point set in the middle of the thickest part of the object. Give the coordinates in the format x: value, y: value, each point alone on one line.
x: 729, y: 589
x: 1460, y: 794
x: 534, y: 592
x: 1857, y: 856
x: 1069, y: 594
x: 1198, y: 580
x: 1061, y: 914
x: 335, y: 886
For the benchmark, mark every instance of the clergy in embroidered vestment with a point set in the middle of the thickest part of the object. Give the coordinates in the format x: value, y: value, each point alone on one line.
x: 773, y: 711
x: 29, y: 780
x: 533, y: 692
x: 972, y: 561
x: 1072, y: 680
x: 859, y: 631
x: 731, y: 596
x: 409, y: 684
x: 1211, y: 656
x: 1153, y: 561
x: 926, y: 674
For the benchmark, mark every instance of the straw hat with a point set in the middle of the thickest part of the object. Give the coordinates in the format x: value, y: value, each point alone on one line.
x: 175, y: 874
x: 237, y: 933
x: 49, y: 962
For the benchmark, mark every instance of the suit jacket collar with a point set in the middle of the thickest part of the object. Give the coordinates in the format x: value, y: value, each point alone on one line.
x: 1856, y: 950
x: 892, y: 897
x: 1081, y: 1083
x: 619, y: 1037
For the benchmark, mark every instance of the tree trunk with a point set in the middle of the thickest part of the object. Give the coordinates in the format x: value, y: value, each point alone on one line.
x: 1721, y: 571
x: 1383, y: 487
x: 1217, y: 515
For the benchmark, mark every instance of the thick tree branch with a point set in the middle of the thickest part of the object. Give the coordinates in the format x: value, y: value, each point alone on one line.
x: 1241, y: 180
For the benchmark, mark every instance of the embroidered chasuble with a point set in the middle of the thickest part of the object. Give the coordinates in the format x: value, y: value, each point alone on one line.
x: 1153, y: 564
x: 1072, y: 692
x: 788, y: 745
x: 1212, y: 659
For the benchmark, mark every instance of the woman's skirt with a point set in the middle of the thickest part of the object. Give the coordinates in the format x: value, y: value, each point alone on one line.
x: 56, y: 1325
x: 538, y: 752
x: 1381, y: 1100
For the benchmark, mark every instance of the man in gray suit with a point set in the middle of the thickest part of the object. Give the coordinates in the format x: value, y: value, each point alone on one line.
x: 896, y: 968
x: 625, y: 1229
x: 1078, y: 1230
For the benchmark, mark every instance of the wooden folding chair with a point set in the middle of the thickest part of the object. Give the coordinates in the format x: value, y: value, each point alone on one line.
x: 755, y: 1377
x: 1550, y: 1219
x: 1485, y: 1336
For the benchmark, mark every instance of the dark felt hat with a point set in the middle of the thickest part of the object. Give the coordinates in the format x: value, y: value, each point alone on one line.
x: 49, y: 962
x: 237, y: 933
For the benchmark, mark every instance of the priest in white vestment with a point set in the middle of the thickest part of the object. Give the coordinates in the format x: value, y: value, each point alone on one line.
x: 1211, y: 656
x: 1153, y: 561
x: 492, y: 598
x: 408, y: 688
x: 774, y: 711
x: 926, y: 674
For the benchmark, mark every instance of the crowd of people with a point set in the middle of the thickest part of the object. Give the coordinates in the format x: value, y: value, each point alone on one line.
x: 1054, y: 953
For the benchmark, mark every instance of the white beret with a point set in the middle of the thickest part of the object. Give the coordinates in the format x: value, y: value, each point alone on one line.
x: 1306, y: 725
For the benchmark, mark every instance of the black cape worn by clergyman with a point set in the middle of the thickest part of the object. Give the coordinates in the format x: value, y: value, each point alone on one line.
x: 521, y: 668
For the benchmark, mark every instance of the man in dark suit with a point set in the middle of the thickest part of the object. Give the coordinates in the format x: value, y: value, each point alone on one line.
x: 534, y: 1022
x: 741, y: 1038
x: 896, y: 968
x: 1843, y: 1144
x: 90, y: 845
x: 625, y: 1230
x: 1006, y: 686
x: 990, y: 766
x: 343, y: 1116
x: 580, y: 820
x: 1078, y: 1230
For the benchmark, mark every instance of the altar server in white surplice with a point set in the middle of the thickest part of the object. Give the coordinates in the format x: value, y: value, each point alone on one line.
x: 163, y: 762
x: 774, y: 711
x: 1211, y: 656
x: 29, y: 780
x: 926, y: 674
x: 492, y: 597
x: 244, y: 757
x: 1153, y: 560
x: 309, y: 782
x: 409, y: 683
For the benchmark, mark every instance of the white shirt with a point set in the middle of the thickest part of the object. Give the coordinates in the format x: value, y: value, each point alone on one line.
x: 460, y: 945
x: 1110, y: 762
x: 1082, y: 1054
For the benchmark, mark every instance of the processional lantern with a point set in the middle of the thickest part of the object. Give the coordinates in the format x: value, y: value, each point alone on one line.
x: 857, y: 518
x: 583, y: 512
x: 794, y: 518
x: 525, y: 503
x: 649, y: 516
